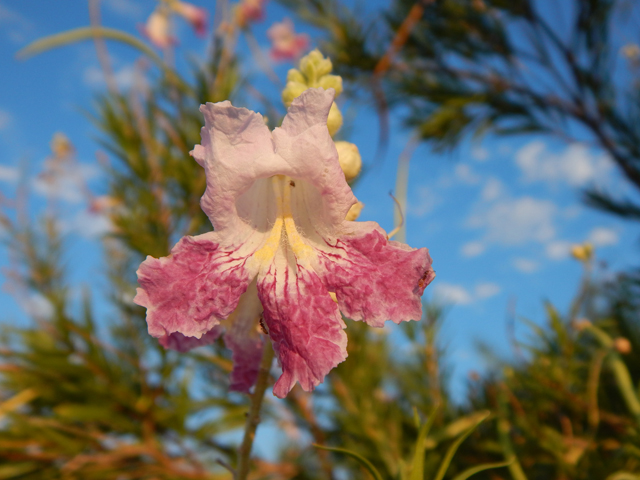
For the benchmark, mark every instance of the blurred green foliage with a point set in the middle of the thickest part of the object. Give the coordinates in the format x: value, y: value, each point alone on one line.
x: 87, y: 395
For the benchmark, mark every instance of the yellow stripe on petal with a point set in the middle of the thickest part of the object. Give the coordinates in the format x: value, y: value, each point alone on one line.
x: 284, y: 218
x: 301, y: 250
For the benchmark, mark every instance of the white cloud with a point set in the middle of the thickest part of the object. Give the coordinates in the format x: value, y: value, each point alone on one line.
x: 68, y: 185
x: 89, y: 225
x: 457, y: 294
x: 558, y: 249
x: 603, y: 237
x: 516, y: 221
x: 492, y: 189
x: 472, y: 249
x: 9, y: 174
x: 125, y: 8
x: 465, y: 174
x: 36, y: 305
x: 427, y: 200
x: 525, y: 265
x: 14, y: 25
x: 504, y: 149
x: 572, y: 211
x: 124, y: 77
x: 449, y: 293
x: 487, y: 290
x: 5, y: 119
x: 577, y: 165
x: 480, y: 154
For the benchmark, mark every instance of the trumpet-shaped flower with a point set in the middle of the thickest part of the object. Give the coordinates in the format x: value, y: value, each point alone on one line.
x: 157, y: 29
x: 280, y: 249
x: 196, y: 16
x: 285, y: 43
x: 248, y: 11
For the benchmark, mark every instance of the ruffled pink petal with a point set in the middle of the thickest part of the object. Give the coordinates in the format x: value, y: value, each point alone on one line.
x: 177, y: 341
x: 244, y: 341
x: 374, y: 279
x: 195, y: 287
x: 304, y: 324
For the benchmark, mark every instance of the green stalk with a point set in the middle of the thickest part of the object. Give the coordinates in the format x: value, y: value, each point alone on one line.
x: 620, y: 372
x: 253, y: 418
x: 625, y: 385
x: 504, y: 438
x: 402, y: 187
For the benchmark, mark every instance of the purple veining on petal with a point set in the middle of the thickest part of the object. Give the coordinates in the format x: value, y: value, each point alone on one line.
x: 191, y: 290
x: 244, y: 340
x: 374, y: 279
x: 304, y: 325
x: 180, y: 343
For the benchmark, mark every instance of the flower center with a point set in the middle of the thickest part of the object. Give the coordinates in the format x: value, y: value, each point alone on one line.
x: 282, y: 187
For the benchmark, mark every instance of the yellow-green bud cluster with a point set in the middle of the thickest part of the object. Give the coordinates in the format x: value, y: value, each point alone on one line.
x: 350, y: 160
x: 583, y: 252
x: 314, y: 71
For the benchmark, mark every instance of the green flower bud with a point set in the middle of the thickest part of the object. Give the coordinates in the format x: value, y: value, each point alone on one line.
x: 331, y: 81
x: 354, y: 212
x: 313, y: 73
x: 294, y: 75
x: 350, y: 159
x: 314, y: 66
x: 334, y: 122
x: 292, y: 90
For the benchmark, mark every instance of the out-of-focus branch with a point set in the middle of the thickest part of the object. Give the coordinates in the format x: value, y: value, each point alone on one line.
x: 101, y: 47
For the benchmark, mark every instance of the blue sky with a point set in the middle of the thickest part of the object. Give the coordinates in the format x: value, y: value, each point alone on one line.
x: 498, y: 215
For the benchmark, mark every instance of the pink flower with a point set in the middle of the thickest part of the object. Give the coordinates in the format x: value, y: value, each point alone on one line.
x: 285, y: 44
x: 281, y: 244
x: 248, y: 11
x: 196, y: 16
x: 157, y: 29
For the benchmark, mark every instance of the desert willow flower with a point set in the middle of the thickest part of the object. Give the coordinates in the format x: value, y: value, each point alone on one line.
x: 196, y: 16
x: 281, y: 250
x: 286, y: 44
x: 157, y: 29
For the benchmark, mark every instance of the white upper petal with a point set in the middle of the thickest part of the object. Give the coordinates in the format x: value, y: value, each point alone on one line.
x: 238, y: 151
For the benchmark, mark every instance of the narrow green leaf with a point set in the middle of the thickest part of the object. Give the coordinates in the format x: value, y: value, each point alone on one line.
x: 85, y: 33
x: 363, y: 461
x: 402, y: 470
x: 417, y: 465
x: 89, y: 33
x: 454, y: 447
x: 481, y: 468
x: 416, y: 417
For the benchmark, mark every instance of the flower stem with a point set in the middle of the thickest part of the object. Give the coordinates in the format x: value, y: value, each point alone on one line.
x: 253, y: 417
